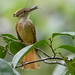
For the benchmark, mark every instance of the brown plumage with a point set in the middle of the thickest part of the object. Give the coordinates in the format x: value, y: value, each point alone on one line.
x: 26, y: 33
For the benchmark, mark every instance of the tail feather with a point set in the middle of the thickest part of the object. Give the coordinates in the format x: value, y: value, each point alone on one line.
x: 31, y: 56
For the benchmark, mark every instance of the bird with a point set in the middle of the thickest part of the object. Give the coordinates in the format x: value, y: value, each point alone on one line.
x: 26, y: 33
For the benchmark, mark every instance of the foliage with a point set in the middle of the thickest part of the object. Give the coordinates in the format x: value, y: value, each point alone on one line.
x: 5, y: 68
x: 18, y: 50
x: 2, y: 52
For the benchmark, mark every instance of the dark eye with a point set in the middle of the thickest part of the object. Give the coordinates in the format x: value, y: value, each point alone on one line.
x: 24, y: 11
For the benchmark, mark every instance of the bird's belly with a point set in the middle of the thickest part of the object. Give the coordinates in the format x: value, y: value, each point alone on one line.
x: 26, y: 34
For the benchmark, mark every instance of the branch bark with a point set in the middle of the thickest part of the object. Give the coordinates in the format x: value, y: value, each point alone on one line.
x: 43, y: 59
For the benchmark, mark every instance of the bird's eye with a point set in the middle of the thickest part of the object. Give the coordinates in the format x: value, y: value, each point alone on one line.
x: 24, y: 11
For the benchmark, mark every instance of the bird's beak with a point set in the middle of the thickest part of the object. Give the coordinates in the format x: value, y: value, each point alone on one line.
x: 33, y: 8
x: 14, y: 15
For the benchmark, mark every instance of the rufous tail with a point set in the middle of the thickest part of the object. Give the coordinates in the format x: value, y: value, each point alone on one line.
x: 31, y: 56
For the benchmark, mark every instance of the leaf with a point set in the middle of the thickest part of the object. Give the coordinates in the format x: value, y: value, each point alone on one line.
x: 71, y: 66
x: 17, y: 73
x: 15, y: 47
x: 71, y: 34
x: 2, y: 52
x: 12, y: 45
x: 73, y: 59
x: 10, y: 36
x: 10, y: 63
x: 67, y: 73
x: 24, y: 51
x: 7, y: 40
x: 5, y: 68
x: 18, y: 55
x: 69, y: 48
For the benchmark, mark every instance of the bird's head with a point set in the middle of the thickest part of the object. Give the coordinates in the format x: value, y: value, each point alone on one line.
x: 24, y: 12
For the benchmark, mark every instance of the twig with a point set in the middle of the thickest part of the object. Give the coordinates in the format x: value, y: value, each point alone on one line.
x: 9, y: 52
x: 39, y: 56
x: 52, y: 47
x: 54, y: 62
x: 43, y: 59
x: 51, y: 62
x: 43, y: 52
x: 15, y: 40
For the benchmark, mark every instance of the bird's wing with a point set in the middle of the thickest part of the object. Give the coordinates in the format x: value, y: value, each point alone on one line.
x: 34, y: 33
x: 18, y: 35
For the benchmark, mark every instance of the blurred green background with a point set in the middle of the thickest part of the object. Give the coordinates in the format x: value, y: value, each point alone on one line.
x: 52, y: 16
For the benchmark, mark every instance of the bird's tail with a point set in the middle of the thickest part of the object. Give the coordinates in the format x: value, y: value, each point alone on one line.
x: 31, y: 56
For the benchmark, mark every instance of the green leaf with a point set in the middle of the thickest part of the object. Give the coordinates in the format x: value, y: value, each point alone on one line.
x: 10, y: 36
x: 24, y: 51
x: 15, y: 47
x: 67, y: 73
x: 12, y: 45
x: 17, y: 73
x: 71, y: 34
x: 5, y: 68
x: 2, y: 52
x: 71, y: 66
x: 7, y: 40
x: 73, y: 59
x: 69, y: 48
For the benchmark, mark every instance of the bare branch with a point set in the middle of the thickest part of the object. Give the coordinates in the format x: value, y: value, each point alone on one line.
x: 54, y: 62
x: 43, y: 52
x: 43, y: 59
x: 51, y: 62
x: 9, y: 52
x: 39, y: 56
